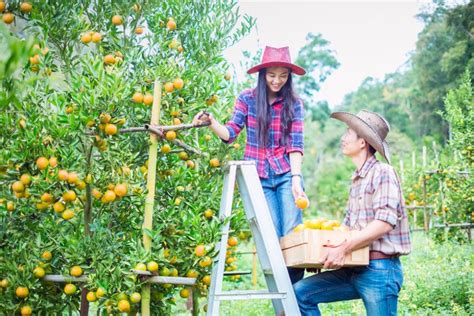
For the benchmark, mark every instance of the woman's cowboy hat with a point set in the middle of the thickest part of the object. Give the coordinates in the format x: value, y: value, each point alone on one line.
x: 277, y: 57
x: 370, y: 126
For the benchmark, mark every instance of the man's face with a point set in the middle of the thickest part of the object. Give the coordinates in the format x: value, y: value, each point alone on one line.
x: 351, y: 144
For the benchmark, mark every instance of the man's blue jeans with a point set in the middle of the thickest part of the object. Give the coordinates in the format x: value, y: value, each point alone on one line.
x: 377, y: 285
x: 285, y: 214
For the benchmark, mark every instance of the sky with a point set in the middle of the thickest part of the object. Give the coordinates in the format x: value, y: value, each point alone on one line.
x: 369, y: 38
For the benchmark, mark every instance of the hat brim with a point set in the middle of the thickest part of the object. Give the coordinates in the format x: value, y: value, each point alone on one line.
x: 294, y: 69
x: 365, y: 131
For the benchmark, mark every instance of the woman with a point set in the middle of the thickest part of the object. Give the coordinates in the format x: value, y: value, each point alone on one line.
x: 273, y: 115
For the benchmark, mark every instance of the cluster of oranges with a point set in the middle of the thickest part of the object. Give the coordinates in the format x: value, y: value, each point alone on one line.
x: 320, y: 224
x: 8, y: 18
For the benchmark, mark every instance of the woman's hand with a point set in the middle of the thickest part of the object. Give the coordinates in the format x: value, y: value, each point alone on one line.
x: 296, y: 188
x: 203, y: 117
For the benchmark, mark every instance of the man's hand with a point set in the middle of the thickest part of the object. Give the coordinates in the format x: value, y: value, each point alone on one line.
x: 336, y: 256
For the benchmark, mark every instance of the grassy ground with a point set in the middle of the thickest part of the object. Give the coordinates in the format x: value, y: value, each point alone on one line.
x: 438, y: 281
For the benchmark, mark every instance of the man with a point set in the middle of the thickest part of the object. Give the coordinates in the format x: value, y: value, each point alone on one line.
x: 376, y: 208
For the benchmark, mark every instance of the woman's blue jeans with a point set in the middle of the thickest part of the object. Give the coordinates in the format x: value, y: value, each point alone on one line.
x: 377, y: 284
x: 285, y: 214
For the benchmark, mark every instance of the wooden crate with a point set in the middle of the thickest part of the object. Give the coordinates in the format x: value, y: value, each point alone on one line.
x: 306, y: 249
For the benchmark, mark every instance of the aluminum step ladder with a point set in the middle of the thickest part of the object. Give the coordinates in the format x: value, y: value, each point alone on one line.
x: 280, y: 289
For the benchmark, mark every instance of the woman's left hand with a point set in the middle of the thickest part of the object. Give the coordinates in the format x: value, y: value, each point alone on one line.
x: 296, y: 188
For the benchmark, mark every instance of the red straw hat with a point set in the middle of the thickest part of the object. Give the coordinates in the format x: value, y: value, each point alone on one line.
x: 277, y: 57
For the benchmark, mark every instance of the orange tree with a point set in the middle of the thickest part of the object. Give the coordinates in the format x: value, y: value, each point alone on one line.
x: 72, y: 186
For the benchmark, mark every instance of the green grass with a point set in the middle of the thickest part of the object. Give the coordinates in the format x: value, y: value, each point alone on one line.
x: 438, y: 281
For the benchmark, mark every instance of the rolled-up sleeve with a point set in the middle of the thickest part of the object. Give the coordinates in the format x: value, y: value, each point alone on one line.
x: 386, y: 197
x: 296, y: 140
x: 237, y: 122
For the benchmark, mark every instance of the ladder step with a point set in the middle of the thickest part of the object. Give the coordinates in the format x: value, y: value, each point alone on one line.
x: 237, y: 272
x: 248, y: 295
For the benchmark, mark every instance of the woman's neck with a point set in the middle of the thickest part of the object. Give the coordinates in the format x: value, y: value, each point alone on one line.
x: 271, y: 96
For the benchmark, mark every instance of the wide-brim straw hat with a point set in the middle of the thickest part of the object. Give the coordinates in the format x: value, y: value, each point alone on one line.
x: 370, y: 126
x: 277, y: 57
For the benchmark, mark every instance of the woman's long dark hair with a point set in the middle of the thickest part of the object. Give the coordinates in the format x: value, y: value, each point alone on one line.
x: 264, y: 114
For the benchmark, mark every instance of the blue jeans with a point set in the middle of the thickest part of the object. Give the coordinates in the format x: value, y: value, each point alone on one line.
x: 285, y: 214
x: 377, y: 285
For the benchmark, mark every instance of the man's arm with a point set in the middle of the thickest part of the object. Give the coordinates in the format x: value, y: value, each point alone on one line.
x: 373, y: 231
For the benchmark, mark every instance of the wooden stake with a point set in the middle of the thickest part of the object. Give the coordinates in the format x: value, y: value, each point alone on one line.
x: 150, y: 185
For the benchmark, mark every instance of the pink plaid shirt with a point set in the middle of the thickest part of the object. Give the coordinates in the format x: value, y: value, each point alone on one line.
x: 375, y: 194
x: 245, y: 114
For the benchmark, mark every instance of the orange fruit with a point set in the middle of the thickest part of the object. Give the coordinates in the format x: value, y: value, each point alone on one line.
x: 69, y: 196
x: 109, y: 196
x: 192, y: 274
x: 35, y: 60
x: 190, y: 164
x: 178, y: 83
x: 208, y: 213
x: 117, y: 20
x: 2, y: 6
x: 72, y: 178
x: 47, y: 198
x: 180, y: 49
x: 184, y: 293
x: 140, y: 266
x: 214, y: 162
x: 63, y: 175
x: 105, y: 118
x: 96, y: 37
x: 100, y: 292
x: 109, y: 59
x: 76, y: 271
x: 183, y: 155
x: 22, y: 292
x: 165, y: 148
x: 200, y: 250
x: 139, y: 30
x: 26, y: 7
x: 152, y: 266
x: 91, y: 297
x: 110, y: 129
x: 59, y: 207
x: 68, y: 214
x: 39, y: 272
x: 42, y: 163
x: 228, y: 76
x: 176, y: 121
x: 326, y: 225
x: 18, y: 186
x: 171, y: 25
x: 135, y: 297
x: 302, y: 203
x: 148, y: 99
x: 47, y: 255
x: 206, y: 280
x: 136, y: 7
x: 299, y: 228
x: 207, y: 137
x: 169, y: 87
x: 205, y: 262
x: 81, y: 185
x: 137, y: 97
x: 170, y: 135
x: 96, y: 193
x: 121, y: 189
x: 26, y: 310
x: 53, y: 162
x: 4, y: 283
x: 123, y: 306
x: 25, y: 179
x: 232, y: 241
x: 8, y: 18
x: 70, y: 289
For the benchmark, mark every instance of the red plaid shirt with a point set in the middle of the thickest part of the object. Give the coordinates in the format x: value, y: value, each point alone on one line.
x: 245, y: 114
x: 376, y: 195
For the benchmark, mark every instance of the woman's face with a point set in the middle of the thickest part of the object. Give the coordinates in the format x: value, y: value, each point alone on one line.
x: 276, y: 78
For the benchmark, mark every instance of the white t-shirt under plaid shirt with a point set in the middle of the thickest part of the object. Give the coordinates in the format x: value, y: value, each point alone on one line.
x: 376, y: 194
